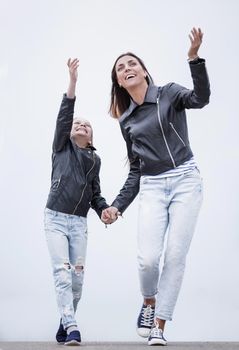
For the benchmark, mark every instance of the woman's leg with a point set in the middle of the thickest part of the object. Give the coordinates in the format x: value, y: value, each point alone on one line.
x: 152, y: 226
x: 185, y: 202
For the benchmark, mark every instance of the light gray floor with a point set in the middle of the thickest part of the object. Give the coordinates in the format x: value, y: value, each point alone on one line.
x: 118, y: 346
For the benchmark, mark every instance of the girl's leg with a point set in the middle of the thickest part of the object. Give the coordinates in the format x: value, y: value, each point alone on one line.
x: 77, y: 251
x: 57, y: 231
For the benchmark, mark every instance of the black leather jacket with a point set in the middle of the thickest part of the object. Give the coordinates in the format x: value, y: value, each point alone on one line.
x: 75, y: 184
x: 156, y: 132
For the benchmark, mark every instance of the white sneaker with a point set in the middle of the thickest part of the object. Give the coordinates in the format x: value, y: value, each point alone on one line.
x: 156, y: 336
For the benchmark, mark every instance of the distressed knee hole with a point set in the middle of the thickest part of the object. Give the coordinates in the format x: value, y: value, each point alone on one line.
x: 78, y: 269
x: 67, y: 265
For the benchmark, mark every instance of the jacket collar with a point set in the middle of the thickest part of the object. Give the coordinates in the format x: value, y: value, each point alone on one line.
x: 150, y: 97
x: 151, y: 94
x: 92, y: 148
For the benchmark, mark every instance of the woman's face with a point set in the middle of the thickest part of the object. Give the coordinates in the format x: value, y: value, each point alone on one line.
x: 129, y: 72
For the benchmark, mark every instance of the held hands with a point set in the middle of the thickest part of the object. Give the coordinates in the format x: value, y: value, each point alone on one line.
x: 73, y: 65
x: 110, y: 215
x: 196, y: 41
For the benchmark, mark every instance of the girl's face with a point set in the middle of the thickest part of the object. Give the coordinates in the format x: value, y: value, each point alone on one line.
x: 129, y: 72
x: 82, y: 128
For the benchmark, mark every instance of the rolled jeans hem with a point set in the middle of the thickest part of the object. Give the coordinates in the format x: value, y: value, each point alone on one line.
x: 69, y: 324
x: 161, y: 317
x: 150, y: 296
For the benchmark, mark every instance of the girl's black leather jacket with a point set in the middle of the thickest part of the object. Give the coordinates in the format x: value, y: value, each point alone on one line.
x: 156, y: 131
x: 75, y: 183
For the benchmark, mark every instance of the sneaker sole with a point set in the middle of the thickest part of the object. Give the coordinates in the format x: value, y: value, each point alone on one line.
x: 143, y: 332
x: 72, y: 343
x: 155, y: 341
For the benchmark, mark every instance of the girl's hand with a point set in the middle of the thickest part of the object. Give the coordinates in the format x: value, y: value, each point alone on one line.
x: 73, y: 65
x: 110, y: 215
x: 196, y: 41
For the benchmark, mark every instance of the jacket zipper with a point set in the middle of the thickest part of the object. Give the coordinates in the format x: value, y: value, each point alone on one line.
x: 58, y: 182
x: 180, y: 138
x: 161, y: 126
x: 83, y: 191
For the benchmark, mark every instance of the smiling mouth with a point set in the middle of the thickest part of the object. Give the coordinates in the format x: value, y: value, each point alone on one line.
x: 130, y: 76
x: 81, y: 129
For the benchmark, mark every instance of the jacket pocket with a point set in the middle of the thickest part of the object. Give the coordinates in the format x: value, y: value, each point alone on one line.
x: 177, y: 134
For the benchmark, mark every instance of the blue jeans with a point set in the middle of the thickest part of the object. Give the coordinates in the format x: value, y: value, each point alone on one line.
x: 169, y: 204
x: 66, y: 237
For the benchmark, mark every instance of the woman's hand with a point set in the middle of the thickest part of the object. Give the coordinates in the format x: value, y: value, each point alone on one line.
x: 196, y: 41
x: 110, y: 215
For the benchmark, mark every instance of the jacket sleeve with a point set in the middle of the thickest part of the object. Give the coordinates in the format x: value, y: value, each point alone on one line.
x: 181, y: 97
x: 131, y: 187
x: 63, y: 123
x: 98, y: 203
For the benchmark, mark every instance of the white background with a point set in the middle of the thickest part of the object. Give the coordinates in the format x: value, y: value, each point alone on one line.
x: 36, y: 38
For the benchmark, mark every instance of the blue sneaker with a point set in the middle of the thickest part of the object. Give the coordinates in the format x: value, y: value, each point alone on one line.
x: 73, y: 338
x: 61, y: 334
x: 145, y: 320
x: 156, y: 336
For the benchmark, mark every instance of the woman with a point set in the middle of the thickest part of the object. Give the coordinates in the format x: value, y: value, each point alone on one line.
x: 75, y: 187
x: 164, y: 172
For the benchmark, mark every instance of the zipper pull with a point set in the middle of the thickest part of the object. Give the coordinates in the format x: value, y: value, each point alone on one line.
x: 59, y: 182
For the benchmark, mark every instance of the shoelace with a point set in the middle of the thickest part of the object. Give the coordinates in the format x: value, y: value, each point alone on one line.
x: 156, y: 332
x: 147, y: 316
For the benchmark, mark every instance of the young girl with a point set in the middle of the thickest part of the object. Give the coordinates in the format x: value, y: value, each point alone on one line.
x: 75, y: 187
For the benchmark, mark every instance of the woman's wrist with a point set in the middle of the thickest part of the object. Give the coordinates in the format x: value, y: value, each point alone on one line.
x: 192, y: 58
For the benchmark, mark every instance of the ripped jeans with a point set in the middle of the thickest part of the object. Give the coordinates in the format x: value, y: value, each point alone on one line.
x: 66, y: 237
